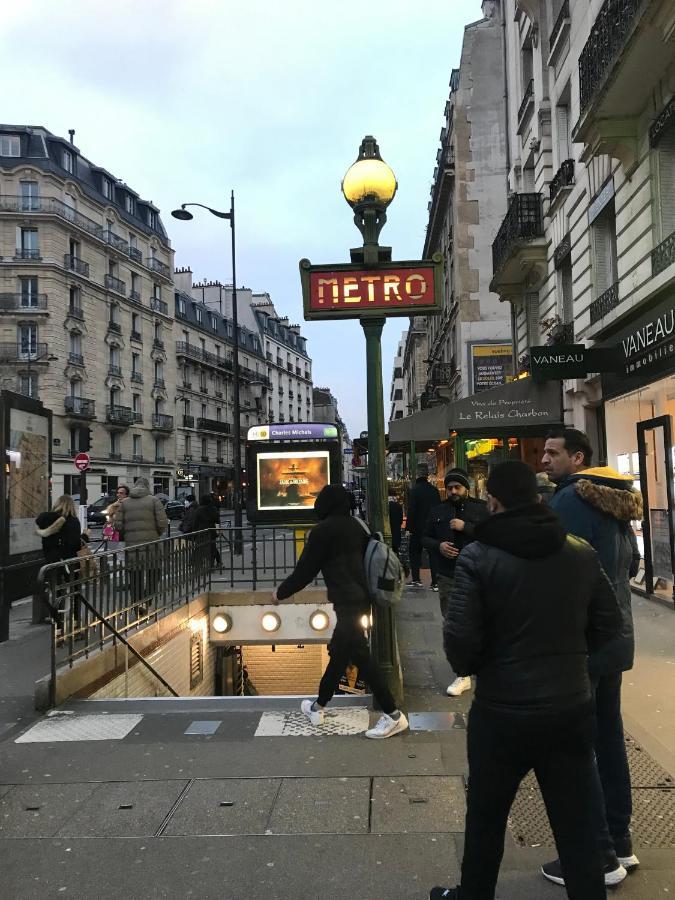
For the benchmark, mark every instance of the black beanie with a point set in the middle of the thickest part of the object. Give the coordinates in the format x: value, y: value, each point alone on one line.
x: 459, y: 476
x: 513, y: 483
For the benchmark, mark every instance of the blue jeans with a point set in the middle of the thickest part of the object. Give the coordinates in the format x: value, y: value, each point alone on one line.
x: 610, y: 752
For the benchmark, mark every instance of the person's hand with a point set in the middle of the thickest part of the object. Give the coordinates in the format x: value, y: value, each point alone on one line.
x: 275, y: 599
x: 448, y: 550
x: 457, y: 524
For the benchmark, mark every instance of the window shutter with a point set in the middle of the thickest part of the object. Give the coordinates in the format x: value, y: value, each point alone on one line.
x: 602, y: 255
x: 666, y: 164
x: 532, y: 312
x: 563, y: 134
x: 566, y: 285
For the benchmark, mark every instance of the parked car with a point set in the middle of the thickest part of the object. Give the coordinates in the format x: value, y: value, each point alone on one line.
x: 175, y: 509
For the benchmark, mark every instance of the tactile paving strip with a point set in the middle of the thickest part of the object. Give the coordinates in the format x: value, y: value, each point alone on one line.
x: 80, y: 728
x: 645, y: 772
x: 348, y: 720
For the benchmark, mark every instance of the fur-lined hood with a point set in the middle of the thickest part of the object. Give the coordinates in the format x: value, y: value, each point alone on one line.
x: 609, y: 492
x: 49, y: 529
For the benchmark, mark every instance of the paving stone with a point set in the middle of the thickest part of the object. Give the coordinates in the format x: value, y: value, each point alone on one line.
x: 321, y: 806
x: 40, y: 810
x: 225, y: 806
x: 418, y: 804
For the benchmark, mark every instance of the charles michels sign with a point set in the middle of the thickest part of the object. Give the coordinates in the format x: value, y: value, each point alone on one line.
x: 559, y: 361
x: 352, y: 291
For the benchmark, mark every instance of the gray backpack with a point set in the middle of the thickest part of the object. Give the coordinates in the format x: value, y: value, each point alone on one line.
x: 384, y: 573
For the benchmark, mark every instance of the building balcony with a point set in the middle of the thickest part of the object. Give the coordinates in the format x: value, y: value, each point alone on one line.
x: 75, y: 312
x: 11, y: 351
x: 663, y: 255
x: 291, y: 395
x: 50, y: 206
x: 620, y: 68
x: 135, y: 297
x: 137, y: 377
x: 23, y: 303
x: 116, y: 241
x: 115, y: 370
x: 203, y: 388
x: 75, y: 359
x: 562, y: 183
x: 297, y: 370
x: 79, y: 408
x: 289, y: 367
x: 135, y: 254
x: 115, y: 327
x: 161, y: 268
x: 120, y: 416
x: 280, y: 362
x: 136, y: 336
x: 75, y: 264
x: 159, y: 384
x: 526, y: 106
x: 159, y: 306
x: 160, y: 422
x: 605, y: 303
x: 157, y: 344
x: 559, y: 33
x: 137, y: 458
x: 160, y: 460
x: 32, y: 254
x: 220, y: 460
x: 138, y: 417
x: 205, y: 459
x: 188, y: 421
x: 114, y: 284
x: 218, y: 394
x: 268, y: 356
x: 520, y: 246
x: 214, y: 425
x: 115, y: 455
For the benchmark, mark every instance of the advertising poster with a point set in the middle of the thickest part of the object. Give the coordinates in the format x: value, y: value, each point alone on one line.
x: 662, y: 563
x: 27, y: 478
x: 291, y: 479
x: 491, y: 365
x: 350, y: 683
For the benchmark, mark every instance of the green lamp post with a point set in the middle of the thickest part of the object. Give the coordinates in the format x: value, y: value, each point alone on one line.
x: 369, y: 187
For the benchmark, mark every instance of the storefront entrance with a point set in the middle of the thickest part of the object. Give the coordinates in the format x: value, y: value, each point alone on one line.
x: 655, y: 460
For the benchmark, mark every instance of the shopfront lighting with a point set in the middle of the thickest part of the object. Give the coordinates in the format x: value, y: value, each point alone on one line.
x: 270, y: 622
x: 367, y: 621
x: 222, y: 623
x: 319, y: 620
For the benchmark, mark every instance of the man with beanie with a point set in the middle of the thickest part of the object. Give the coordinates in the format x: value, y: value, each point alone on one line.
x: 529, y: 604
x: 335, y: 547
x: 450, y: 527
x: 421, y: 500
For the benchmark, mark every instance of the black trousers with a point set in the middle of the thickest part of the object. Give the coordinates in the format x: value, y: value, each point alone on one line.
x: 416, y: 557
x: 349, y: 645
x: 610, y: 752
x: 503, y: 747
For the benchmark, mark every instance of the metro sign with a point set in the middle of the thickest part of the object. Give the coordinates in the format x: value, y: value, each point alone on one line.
x: 349, y: 291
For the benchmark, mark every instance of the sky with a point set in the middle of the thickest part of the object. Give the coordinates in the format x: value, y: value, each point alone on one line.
x: 185, y: 100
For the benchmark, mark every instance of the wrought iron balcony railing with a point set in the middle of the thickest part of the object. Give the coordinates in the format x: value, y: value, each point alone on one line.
x: 563, y: 178
x: 80, y: 407
x: 115, y: 241
x: 527, y: 101
x: 604, y: 45
x: 136, y: 336
x: 115, y: 370
x: 159, y: 306
x: 11, y: 351
x: 114, y: 284
x: 214, y: 425
x: 27, y: 253
x: 562, y: 15
x: 157, y: 344
x: 160, y: 422
x: 663, y: 255
x: 115, y: 454
x: 135, y: 297
x: 22, y: 302
x: 76, y: 359
x: 159, y: 383
x: 115, y: 327
x: 156, y: 266
x: 188, y: 421
x: 76, y: 312
x: 605, y: 303
x: 135, y: 254
x: 524, y: 221
x: 119, y: 415
x: 75, y: 264
x: 137, y: 377
x: 442, y: 374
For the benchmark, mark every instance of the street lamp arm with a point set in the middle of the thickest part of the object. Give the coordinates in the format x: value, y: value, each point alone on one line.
x: 215, y: 212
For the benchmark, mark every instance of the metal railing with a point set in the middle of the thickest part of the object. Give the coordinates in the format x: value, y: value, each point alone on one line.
x: 663, y: 255
x: 564, y: 177
x: 441, y: 374
x: 22, y: 302
x: 116, y: 241
x: 27, y: 253
x: 161, y: 422
x: 604, y: 45
x: 528, y: 98
x: 119, y: 415
x: 76, y: 312
x: 605, y: 303
x: 157, y: 266
x: 135, y: 254
x: 135, y: 297
x: 75, y: 264
x: 557, y: 28
x: 115, y: 327
x: 159, y: 306
x: 523, y: 221
x: 136, y: 336
x: 214, y: 425
x: 11, y: 351
x: 81, y: 407
x: 115, y: 284
x: 76, y: 359
x: 137, y: 377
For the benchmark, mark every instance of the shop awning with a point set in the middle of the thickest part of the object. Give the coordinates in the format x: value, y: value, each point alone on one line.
x: 513, y: 406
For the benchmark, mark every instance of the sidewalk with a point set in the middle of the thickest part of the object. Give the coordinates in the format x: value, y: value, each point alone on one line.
x: 149, y: 810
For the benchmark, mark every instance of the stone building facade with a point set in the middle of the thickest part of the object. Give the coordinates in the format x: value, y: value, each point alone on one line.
x: 86, y: 310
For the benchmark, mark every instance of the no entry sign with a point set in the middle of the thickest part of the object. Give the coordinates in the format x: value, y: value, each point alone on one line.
x: 82, y: 462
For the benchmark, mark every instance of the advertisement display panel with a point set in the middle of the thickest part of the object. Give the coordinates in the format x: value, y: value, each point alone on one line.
x: 291, y: 479
x: 27, y: 478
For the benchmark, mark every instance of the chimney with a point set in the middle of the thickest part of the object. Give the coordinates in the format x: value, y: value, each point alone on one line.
x: 71, y: 132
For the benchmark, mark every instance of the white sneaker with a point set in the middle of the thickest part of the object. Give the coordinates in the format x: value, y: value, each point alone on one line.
x: 315, y: 716
x: 629, y: 862
x: 459, y: 686
x: 386, y: 727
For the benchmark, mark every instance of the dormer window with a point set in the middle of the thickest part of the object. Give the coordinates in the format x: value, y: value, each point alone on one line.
x: 68, y: 161
x: 180, y: 306
x: 130, y: 204
x: 213, y: 321
x: 152, y: 218
x: 198, y: 315
x: 107, y: 188
x: 10, y: 145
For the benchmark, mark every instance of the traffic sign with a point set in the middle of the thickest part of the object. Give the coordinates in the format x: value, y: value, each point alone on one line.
x: 82, y: 462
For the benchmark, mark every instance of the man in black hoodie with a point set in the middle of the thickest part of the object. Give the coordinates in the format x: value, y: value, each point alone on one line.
x: 421, y: 500
x: 529, y: 603
x: 335, y: 547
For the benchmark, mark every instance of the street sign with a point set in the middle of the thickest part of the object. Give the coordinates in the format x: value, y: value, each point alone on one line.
x: 354, y: 291
x: 82, y: 462
x: 554, y: 362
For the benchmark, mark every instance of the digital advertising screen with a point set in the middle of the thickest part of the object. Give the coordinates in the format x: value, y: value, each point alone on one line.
x: 290, y: 479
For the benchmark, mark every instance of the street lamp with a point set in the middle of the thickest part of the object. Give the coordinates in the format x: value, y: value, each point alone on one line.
x: 185, y: 215
x: 369, y: 187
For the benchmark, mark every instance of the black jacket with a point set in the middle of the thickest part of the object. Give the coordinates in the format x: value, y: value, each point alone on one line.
x: 395, y: 522
x: 188, y: 521
x: 206, y: 516
x: 528, y: 605
x: 437, y: 529
x: 421, y: 500
x: 334, y: 547
x: 61, y: 537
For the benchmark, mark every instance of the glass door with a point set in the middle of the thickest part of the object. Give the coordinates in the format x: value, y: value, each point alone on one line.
x: 655, y: 454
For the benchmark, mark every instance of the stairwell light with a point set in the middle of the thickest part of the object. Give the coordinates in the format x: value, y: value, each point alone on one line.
x: 319, y: 620
x: 270, y: 622
x: 222, y: 623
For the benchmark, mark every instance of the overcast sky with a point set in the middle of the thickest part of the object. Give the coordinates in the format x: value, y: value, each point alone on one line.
x: 186, y: 99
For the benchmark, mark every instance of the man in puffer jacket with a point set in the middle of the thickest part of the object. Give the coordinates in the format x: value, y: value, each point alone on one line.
x: 598, y: 505
x: 529, y: 602
x: 140, y: 519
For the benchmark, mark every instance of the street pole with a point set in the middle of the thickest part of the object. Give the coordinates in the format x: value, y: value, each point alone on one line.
x: 238, y: 542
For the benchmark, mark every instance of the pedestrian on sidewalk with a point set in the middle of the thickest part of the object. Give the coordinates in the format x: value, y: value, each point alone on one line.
x: 335, y: 547
x: 422, y: 498
x: 451, y: 527
x: 61, y: 535
x: 528, y: 604
x: 187, y: 523
x: 141, y: 519
x: 208, y: 516
x: 598, y: 504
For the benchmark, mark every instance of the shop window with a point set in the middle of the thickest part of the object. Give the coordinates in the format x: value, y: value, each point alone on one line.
x: 603, y: 238
x: 665, y: 182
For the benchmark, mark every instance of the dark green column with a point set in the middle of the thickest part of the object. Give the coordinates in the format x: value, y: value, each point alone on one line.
x: 384, y: 641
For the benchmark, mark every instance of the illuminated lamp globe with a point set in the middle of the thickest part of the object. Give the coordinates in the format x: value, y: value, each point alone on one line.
x: 270, y: 622
x: 222, y: 623
x: 319, y: 620
x: 369, y: 180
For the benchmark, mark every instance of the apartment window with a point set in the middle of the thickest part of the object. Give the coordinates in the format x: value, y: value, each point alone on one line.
x: 107, y: 188
x: 29, y: 195
x: 137, y: 445
x: 188, y: 445
x: 152, y: 219
x: 114, y: 357
x: 158, y: 331
x: 28, y: 288
x: 75, y: 387
x: 205, y: 447
x: 603, y: 242
x: 133, y: 241
x: 135, y: 283
x: 114, y: 313
x: 186, y: 376
x: 180, y: 306
x: 202, y: 343
x: 74, y: 299
x: 10, y: 145
x: 114, y: 443
x: 135, y: 363
x: 198, y: 315
x: 562, y: 124
x: 204, y: 413
x: 213, y: 321
x: 136, y: 403
x: 219, y: 449
x: 135, y: 323
x: 27, y: 241
x: 159, y: 450
x: 219, y: 414
x: 27, y: 340
x: 75, y: 347
x: 159, y: 371
x: 28, y: 384
x: 665, y: 163
x: 68, y: 161
x: 157, y: 291
x: 129, y: 204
